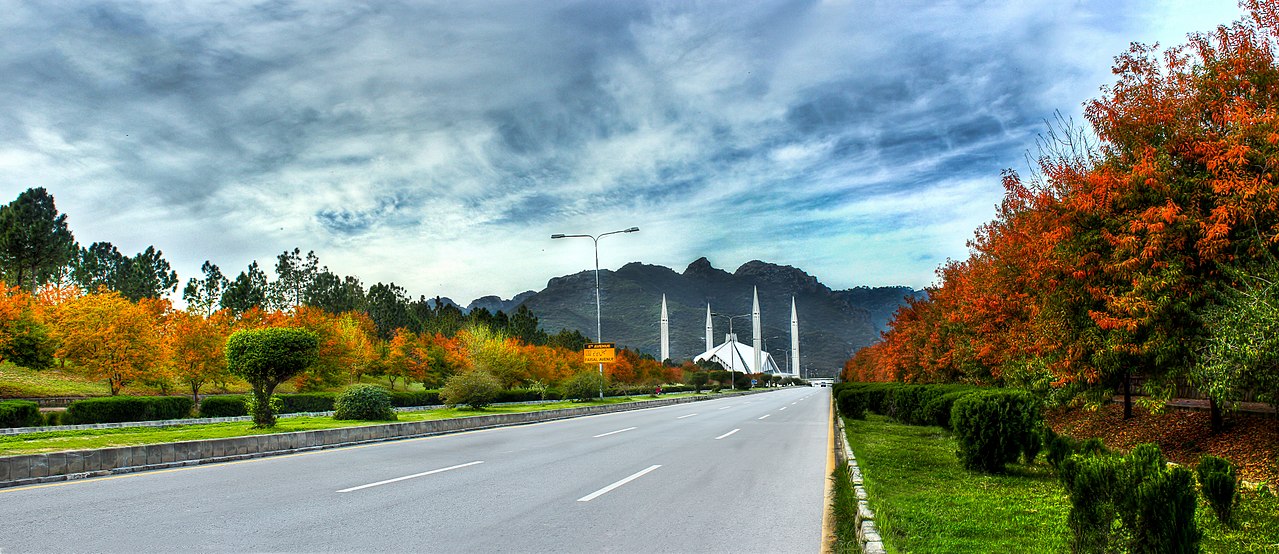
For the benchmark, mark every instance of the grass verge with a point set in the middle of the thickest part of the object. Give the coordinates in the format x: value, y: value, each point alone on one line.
x: 57, y: 441
x: 925, y: 501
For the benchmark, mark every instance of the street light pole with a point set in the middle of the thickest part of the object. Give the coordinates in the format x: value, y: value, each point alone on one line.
x: 732, y: 346
x: 599, y: 333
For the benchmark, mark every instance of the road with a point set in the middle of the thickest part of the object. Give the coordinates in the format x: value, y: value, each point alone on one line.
x: 742, y: 474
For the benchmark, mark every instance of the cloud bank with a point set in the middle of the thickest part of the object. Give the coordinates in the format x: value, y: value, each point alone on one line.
x: 439, y: 144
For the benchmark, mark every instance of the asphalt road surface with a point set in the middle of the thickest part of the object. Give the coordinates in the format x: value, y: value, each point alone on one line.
x: 742, y: 474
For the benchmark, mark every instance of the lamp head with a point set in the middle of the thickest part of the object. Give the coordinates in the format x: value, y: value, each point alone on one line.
x: 631, y: 230
x: 557, y: 236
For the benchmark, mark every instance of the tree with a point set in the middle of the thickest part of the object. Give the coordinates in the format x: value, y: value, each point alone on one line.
x: 334, y: 294
x: 204, y: 296
x: 523, y: 326
x: 195, y: 348
x: 109, y: 337
x: 267, y: 357
x: 145, y: 275
x: 293, y: 277
x: 35, y: 243
x: 249, y: 289
x: 24, y: 338
x: 389, y: 307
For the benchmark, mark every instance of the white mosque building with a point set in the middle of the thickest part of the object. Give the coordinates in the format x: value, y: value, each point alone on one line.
x: 737, y: 356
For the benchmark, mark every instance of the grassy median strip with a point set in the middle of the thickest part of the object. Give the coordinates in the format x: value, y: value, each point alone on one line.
x: 57, y: 441
x: 925, y: 501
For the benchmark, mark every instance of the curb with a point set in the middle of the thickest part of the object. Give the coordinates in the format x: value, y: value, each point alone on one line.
x: 35, y: 469
x: 868, y: 536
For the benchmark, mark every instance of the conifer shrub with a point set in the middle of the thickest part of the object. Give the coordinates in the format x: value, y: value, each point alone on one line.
x: 364, y: 402
x: 1133, y: 503
x: 19, y: 413
x: 937, y: 410
x: 1219, y: 482
x: 852, y: 403
x: 1058, y: 447
x: 993, y: 427
x: 223, y: 406
x: 52, y: 419
x: 119, y: 409
x: 476, y: 389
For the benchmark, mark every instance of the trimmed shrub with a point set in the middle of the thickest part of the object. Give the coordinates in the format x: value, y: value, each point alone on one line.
x: 408, y: 399
x: 994, y: 427
x: 20, y: 413
x: 1218, y: 481
x: 364, y: 402
x: 306, y: 402
x: 852, y: 403
x: 119, y: 409
x: 223, y: 406
x: 937, y: 410
x: 583, y: 386
x: 476, y: 389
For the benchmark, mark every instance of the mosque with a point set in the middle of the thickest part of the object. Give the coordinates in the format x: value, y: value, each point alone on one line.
x: 735, y: 355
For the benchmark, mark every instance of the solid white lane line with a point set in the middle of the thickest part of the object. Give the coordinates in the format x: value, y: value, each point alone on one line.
x: 684, y: 416
x: 765, y: 415
x: 397, y: 479
x: 605, y: 490
x: 614, y: 432
x: 727, y: 434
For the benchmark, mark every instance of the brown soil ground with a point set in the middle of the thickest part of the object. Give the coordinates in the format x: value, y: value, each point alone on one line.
x: 1250, y: 440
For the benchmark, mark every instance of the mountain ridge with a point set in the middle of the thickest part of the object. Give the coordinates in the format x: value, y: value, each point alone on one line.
x: 833, y: 323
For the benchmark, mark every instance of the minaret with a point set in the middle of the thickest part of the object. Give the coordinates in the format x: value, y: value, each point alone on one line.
x: 666, y: 332
x: 758, y: 332
x: 710, y: 330
x: 794, y: 339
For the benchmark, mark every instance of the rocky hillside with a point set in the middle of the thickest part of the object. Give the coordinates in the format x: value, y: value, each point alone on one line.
x: 833, y: 324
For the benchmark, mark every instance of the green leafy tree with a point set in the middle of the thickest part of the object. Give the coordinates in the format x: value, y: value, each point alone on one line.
x: 524, y: 326
x: 145, y: 275
x: 293, y: 275
x: 267, y: 357
x: 388, y: 306
x: 203, y: 296
x: 249, y: 289
x: 333, y: 293
x: 35, y: 243
x: 476, y: 389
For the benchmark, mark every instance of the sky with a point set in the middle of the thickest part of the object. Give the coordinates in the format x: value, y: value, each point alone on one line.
x: 438, y: 145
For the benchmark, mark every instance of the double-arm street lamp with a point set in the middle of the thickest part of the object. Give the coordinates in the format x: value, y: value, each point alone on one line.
x: 599, y: 334
x: 732, y: 347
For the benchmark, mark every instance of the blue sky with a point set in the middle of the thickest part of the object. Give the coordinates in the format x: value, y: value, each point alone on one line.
x: 439, y: 144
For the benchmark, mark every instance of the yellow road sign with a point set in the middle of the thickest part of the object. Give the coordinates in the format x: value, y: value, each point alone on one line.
x: 599, y: 353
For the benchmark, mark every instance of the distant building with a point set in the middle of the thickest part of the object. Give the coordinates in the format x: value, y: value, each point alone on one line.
x: 739, y: 357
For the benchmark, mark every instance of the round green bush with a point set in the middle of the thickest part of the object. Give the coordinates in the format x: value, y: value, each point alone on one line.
x: 364, y: 402
x: 583, y: 386
x: 476, y: 389
x: 993, y: 427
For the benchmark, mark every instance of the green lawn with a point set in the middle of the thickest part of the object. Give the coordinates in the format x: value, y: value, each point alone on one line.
x: 925, y: 501
x: 20, y: 382
x: 55, y: 441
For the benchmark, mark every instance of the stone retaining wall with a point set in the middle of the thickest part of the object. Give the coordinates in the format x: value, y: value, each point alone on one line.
x: 61, y: 466
x: 867, y: 534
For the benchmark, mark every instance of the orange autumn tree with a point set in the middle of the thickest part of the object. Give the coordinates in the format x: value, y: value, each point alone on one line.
x: 24, y: 336
x: 195, y: 345
x: 406, y: 358
x: 108, y: 337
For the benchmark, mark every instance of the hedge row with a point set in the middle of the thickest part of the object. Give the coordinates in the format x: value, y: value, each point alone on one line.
x: 119, y: 409
x: 19, y: 413
x: 907, y: 403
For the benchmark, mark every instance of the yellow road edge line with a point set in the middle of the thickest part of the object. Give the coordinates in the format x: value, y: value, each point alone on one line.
x: 828, y: 515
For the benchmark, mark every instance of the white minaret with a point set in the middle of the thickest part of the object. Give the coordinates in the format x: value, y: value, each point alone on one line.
x: 758, y: 333
x: 794, y: 338
x: 666, y: 332
x: 710, y: 329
